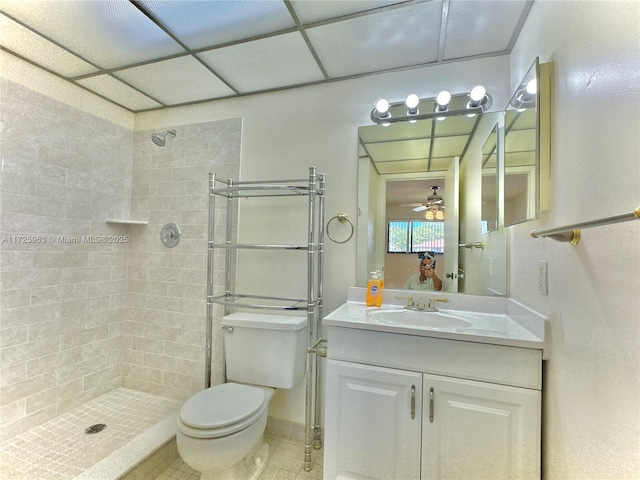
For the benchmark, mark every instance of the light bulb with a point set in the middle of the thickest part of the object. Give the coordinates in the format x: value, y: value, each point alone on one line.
x: 439, y: 215
x: 412, y: 100
x: 477, y: 93
x: 382, y: 105
x: 532, y: 86
x: 428, y: 215
x: 443, y: 98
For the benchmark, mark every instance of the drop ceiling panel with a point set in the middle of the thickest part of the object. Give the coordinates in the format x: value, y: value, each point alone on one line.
x: 449, y: 146
x: 271, y: 44
x: 159, y: 81
x: 458, y: 125
x: 520, y: 141
x: 108, y: 34
x: 440, y: 164
x: 475, y: 27
x: 512, y: 159
x: 395, y: 131
x: 118, y: 92
x: 404, y: 150
x: 41, y: 51
x: 202, y: 24
x: 381, y: 41
x: 402, y: 166
x: 521, y: 120
x: 263, y: 64
x: 311, y: 12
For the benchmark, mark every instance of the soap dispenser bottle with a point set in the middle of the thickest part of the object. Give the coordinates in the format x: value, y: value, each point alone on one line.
x: 374, y: 291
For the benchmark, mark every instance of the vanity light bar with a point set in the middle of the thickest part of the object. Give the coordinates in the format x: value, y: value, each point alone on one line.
x: 478, y: 102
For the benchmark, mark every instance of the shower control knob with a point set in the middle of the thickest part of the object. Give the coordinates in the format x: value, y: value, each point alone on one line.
x: 170, y: 235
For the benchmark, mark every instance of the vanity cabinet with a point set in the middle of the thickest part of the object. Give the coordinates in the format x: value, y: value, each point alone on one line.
x: 372, y: 422
x: 476, y: 430
x: 404, y: 407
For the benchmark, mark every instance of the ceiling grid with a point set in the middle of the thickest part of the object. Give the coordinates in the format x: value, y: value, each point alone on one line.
x: 152, y: 54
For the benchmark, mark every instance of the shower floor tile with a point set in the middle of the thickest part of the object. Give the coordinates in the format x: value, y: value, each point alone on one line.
x: 60, y: 448
x: 286, y: 458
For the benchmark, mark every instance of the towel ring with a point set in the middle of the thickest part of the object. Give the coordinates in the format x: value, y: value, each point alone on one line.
x: 342, y: 218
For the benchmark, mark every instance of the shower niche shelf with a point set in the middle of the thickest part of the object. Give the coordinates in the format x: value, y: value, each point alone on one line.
x: 126, y: 222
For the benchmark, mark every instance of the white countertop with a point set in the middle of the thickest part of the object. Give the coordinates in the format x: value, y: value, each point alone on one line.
x: 498, y: 321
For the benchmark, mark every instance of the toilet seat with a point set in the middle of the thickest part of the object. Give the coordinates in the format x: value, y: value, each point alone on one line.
x: 222, y: 410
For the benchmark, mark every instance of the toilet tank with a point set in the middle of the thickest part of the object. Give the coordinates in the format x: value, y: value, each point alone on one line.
x: 264, y: 349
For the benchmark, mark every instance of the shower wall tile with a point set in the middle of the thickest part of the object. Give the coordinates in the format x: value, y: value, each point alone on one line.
x: 62, y: 172
x: 165, y: 331
x: 81, y: 317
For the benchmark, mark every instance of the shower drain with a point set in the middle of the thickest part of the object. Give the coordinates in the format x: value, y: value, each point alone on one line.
x: 98, y: 427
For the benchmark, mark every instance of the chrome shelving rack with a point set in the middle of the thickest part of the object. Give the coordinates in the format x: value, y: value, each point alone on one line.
x: 313, y: 190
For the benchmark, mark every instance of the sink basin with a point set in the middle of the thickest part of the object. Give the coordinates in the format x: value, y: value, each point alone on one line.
x: 420, y: 319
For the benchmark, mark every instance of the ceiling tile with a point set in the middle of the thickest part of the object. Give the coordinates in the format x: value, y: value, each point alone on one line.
x: 382, y: 41
x: 457, y: 125
x: 519, y: 158
x: 396, y: 131
x: 475, y: 28
x: 115, y: 90
x: 440, y: 164
x: 106, y: 33
x: 263, y: 64
x: 520, y: 141
x: 311, y: 12
x: 404, y: 150
x: 402, y: 166
x: 32, y: 46
x: 200, y: 24
x: 159, y: 81
x: 449, y: 146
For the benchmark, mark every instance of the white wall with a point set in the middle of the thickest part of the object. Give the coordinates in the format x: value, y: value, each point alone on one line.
x: 592, y: 381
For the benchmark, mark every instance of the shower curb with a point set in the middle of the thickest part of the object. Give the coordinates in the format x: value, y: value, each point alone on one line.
x: 126, y: 458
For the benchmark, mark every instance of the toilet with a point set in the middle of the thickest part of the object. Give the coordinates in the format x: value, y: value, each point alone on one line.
x: 221, y: 429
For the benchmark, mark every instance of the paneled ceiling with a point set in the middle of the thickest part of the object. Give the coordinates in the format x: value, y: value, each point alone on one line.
x: 153, y: 54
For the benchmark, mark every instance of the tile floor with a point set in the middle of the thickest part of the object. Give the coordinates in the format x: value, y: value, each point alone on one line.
x: 286, y: 458
x: 60, y: 449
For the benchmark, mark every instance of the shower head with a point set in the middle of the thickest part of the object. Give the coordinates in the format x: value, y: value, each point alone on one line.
x: 160, y: 138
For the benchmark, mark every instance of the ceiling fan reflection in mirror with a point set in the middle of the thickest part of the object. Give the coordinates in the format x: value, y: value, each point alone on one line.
x: 433, y: 208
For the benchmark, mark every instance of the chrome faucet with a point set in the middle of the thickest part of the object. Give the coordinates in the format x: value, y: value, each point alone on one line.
x: 433, y: 301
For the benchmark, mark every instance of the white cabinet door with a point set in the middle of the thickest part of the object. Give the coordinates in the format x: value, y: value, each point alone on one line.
x: 475, y: 430
x: 370, y: 430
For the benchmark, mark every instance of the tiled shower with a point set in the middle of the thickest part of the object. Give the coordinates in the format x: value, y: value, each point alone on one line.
x: 88, y: 307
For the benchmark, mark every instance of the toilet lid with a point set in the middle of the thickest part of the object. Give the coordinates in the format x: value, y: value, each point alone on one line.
x: 222, y: 405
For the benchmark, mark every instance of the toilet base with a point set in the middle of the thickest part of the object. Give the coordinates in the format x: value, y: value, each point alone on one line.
x: 249, y: 468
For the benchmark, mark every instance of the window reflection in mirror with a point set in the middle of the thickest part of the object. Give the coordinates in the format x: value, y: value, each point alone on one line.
x: 489, y: 210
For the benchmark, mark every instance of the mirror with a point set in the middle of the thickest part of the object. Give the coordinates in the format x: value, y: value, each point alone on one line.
x: 525, y: 162
x: 398, y: 167
x: 489, y: 209
x: 424, y: 152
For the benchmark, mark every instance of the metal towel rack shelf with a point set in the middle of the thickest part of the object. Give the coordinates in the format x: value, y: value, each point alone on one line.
x: 571, y: 233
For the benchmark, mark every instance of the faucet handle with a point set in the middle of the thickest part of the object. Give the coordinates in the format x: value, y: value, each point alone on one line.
x: 432, y: 302
x: 408, y: 298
